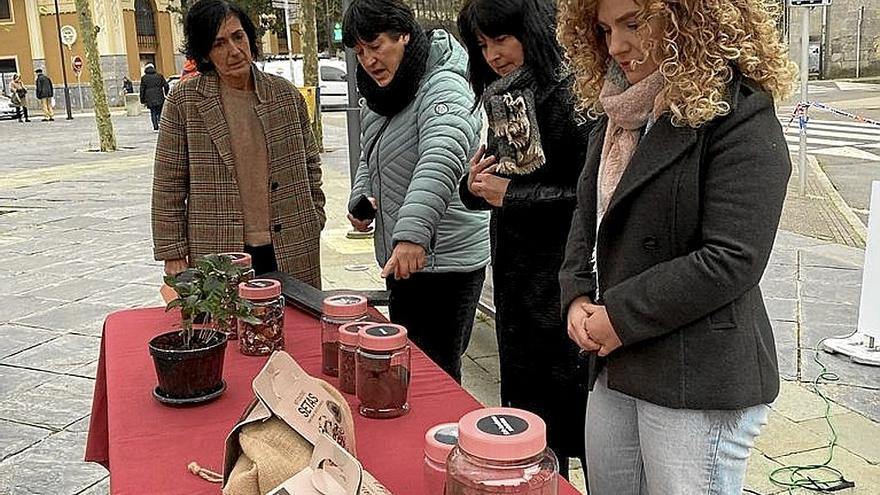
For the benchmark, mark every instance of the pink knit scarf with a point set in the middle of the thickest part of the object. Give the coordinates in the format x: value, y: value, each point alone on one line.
x: 628, y: 111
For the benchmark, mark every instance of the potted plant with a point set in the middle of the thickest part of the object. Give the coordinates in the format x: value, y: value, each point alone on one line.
x: 189, y: 361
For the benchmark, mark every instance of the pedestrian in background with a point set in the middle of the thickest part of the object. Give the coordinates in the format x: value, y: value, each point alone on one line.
x: 154, y: 89
x: 237, y: 167
x: 528, y: 181
x: 418, y: 132
x: 19, y: 98
x: 45, y: 93
x: 677, y: 212
x: 127, y: 86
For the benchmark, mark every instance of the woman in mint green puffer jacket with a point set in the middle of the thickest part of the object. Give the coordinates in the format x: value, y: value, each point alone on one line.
x: 418, y: 132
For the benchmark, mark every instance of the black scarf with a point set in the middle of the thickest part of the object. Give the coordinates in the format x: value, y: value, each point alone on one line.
x: 391, y: 99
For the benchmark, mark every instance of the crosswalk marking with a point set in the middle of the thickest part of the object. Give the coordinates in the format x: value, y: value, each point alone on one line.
x: 843, y: 139
x: 854, y: 140
x: 814, y: 141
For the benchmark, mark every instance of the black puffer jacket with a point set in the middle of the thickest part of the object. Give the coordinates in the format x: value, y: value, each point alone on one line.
x: 540, y: 368
x: 154, y: 87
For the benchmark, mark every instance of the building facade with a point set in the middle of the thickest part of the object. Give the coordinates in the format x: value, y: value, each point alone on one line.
x: 131, y: 33
x: 843, y: 35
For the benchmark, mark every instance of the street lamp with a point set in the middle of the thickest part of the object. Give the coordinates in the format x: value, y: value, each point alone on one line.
x: 352, y: 110
x: 329, y: 25
x: 61, y: 59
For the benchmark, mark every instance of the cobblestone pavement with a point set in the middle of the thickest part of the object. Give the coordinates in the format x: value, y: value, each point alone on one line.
x: 75, y: 244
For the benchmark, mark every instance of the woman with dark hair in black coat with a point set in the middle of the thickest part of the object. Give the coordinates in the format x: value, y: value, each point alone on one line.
x: 526, y: 175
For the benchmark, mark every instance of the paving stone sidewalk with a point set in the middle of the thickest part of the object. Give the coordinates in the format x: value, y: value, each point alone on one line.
x: 75, y: 240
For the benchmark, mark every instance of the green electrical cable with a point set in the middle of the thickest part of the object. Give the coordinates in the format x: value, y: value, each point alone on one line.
x: 825, y: 478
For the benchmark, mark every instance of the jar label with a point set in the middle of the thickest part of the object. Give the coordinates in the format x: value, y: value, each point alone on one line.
x: 447, y: 435
x: 355, y: 328
x: 346, y: 300
x: 502, y: 425
x: 259, y: 284
x: 382, y: 331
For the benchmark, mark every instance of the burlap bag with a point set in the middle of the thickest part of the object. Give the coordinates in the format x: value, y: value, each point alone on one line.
x: 274, y: 439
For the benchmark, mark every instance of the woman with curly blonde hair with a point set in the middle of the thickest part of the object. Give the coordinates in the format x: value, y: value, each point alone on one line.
x: 678, y: 206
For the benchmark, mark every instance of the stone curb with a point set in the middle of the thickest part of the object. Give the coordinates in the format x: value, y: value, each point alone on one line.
x: 837, y: 201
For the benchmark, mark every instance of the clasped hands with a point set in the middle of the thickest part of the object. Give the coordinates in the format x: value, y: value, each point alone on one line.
x: 482, y: 182
x: 590, y: 328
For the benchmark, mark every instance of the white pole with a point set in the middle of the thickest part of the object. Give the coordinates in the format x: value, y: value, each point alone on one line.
x: 805, y: 75
x: 82, y: 104
x: 859, y: 40
x: 289, y: 42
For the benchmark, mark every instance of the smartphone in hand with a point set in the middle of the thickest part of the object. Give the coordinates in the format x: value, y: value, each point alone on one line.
x: 363, y: 209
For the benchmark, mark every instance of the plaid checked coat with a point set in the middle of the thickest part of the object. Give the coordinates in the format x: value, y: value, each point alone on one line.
x: 196, y: 207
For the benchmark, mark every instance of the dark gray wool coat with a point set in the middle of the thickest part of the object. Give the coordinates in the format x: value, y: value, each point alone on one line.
x: 680, y: 252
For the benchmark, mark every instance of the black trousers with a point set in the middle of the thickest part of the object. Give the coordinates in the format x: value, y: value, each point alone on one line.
x: 438, y: 311
x: 155, y: 116
x: 19, y: 111
x: 262, y: 258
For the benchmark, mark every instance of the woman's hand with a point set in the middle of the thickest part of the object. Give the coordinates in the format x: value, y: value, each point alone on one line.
x: 490, y: 187
x: 478, y: 164
x: 578, y: 315
x: 173, y: 267
x: 406, y: 259
x: 599, y: 329
x: 362, y: 225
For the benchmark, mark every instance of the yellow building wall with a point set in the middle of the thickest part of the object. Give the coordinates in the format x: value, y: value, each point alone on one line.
x: 132, y: 54
x: 50, y: 47
x: 165, y: 50
x: 15, y: 43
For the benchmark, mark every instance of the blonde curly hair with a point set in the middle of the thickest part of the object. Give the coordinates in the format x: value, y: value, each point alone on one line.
x: 700, y: 42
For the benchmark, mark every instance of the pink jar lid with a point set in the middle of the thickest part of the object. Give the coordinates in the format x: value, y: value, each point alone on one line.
x: 439, y: 440
x: 344, y: 305
x: 239, y: 259
x: 382, y: 337
x: 259, y: 288
x: 502, y: 434
x: 349, y: 333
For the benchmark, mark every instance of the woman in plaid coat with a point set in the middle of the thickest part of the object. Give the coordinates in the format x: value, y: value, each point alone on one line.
x: 236, y: 167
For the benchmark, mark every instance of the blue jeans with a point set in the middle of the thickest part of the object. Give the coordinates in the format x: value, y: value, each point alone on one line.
x: 635, y: 447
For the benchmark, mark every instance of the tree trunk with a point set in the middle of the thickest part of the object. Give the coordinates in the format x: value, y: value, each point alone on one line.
x: 310, y: 62
x: 93, y: 59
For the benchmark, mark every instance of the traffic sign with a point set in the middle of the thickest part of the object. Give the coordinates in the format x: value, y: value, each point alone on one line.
x: 293, y: 7
x: 809, y: 3
x: 68, y: 35
x: 77, y: 63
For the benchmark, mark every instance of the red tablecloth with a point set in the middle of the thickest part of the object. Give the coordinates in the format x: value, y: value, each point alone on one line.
x: 147, y: 446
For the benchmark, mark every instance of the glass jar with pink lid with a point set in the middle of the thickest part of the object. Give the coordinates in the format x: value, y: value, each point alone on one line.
x: 439, y: 441
x: 245, y: 261
x: 242, y: 260
x: 349, y: 336
x: 382, y: 368
x: 502, y: 450
x: 267, y: 334
x: 337, y: 310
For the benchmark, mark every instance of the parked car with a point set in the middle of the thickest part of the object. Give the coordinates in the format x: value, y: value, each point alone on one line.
x: 7, y: 109
x: 332, y: 78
